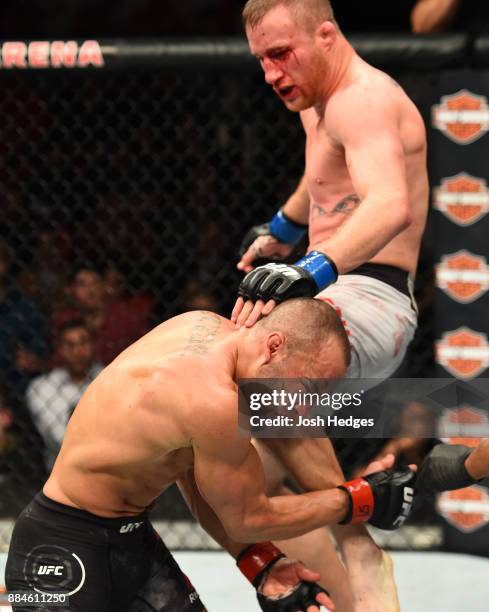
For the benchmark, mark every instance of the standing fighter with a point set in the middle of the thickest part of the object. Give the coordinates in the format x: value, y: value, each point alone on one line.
x: 364, y: 194
x: 165, y: 410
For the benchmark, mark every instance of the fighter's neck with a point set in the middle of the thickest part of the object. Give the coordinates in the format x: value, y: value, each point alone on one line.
x: 340, y: 68
x: 244, y: 353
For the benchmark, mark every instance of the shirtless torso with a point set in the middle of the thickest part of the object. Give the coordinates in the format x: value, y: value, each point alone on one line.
x: 131, y: 435
x: 329, y: 176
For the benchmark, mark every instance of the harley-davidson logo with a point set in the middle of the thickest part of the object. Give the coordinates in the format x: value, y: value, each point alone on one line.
x: 466, y: 509
x: 463, y: 276
x: 463, y: 198
x: 465, y: 425
x: 463, y: 116
x: 463, y: 352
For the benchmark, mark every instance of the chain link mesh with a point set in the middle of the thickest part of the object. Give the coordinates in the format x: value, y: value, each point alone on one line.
x: 139, y: 183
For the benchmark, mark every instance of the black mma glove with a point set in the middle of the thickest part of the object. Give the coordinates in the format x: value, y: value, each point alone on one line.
x: 303, y: 596
x: 384, y: 499
x: 443, y: 469
x: 255, y: 562
x: 280, y: 282
x: 280, y: 227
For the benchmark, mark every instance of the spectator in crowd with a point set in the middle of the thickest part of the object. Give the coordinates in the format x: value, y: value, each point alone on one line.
x: 23, y: 330
x: 52, y: 397
x: 114, y: 322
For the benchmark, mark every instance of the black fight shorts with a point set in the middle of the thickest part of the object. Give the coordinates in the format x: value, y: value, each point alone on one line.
x: 100, y: 564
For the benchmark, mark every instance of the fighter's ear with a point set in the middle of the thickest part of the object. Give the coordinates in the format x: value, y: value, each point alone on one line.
x: 326, y: 34
x: 275, y: 343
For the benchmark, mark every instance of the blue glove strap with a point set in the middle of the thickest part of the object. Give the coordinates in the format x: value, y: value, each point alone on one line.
x: 286, y: 230
x: 320, y: 267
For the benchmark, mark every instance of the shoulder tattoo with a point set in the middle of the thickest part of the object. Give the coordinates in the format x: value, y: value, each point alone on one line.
x: 203, y: 334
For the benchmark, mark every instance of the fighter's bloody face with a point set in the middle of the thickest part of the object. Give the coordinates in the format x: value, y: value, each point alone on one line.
x: 291, y: 60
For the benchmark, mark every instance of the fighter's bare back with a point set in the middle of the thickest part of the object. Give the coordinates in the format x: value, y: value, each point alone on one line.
x: 131, y: 435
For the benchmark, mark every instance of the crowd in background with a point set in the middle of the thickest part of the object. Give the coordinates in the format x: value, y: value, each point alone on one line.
x: 88, y: 18
x: 57, y: 331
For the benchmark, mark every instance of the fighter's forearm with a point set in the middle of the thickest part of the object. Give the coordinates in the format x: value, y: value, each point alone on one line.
x: 477, y: 463
x: 297, y: 206
x: 373, y: 225
x: 433, y: 15
x: 289, y: 516
x: 276, y: 518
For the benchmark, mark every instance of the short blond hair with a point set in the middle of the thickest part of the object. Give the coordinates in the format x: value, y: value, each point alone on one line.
x: 312, y: 12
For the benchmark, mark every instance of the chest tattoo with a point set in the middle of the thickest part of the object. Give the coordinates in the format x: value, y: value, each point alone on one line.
x: 345, y: 206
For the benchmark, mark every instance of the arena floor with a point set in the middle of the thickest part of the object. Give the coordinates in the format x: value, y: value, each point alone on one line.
x: 428, y: 582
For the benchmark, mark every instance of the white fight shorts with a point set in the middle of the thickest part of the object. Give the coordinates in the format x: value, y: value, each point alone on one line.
x: 380, y: 322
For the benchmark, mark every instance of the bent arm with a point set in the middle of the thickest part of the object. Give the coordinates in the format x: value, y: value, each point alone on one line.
x: 433, y: 15
x: 312, y: 463
x: 229, y: 476
x: 369, y: 133
x: 206, y: 516
x: 280, y: 577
